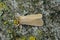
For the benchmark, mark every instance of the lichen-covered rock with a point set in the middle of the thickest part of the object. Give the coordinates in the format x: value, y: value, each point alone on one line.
x: 50, y: 9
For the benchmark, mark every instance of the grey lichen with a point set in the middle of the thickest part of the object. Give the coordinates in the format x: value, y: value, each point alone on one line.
x: 50, y: 9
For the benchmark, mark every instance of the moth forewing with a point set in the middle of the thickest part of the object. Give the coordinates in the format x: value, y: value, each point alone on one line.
x: 35, y: 20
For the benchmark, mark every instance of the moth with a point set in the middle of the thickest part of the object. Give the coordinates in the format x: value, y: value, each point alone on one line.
x: 34, y: 19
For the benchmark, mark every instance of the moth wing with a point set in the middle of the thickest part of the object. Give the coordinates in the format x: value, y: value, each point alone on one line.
x: 37, y: 22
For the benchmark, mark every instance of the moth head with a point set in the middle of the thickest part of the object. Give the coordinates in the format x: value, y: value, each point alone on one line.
x: 17, y: 17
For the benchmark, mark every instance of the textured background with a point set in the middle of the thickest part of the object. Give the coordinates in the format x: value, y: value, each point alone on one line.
x: 51, y: 17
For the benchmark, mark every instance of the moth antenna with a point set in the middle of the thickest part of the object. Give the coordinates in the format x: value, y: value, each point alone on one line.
x: 17, y: 15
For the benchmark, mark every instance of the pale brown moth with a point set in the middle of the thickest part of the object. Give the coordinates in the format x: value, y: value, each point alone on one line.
x: 34, y: 19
